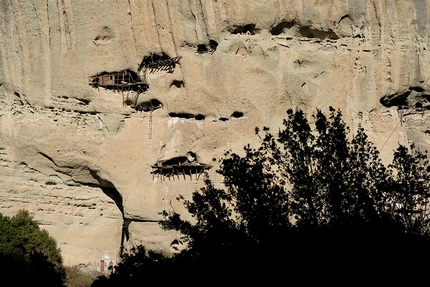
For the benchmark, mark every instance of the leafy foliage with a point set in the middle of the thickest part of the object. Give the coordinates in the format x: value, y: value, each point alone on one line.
x: 28, y: 255
x: 75, y: 277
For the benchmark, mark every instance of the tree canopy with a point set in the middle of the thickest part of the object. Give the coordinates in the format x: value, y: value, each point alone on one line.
x: 28, y: 255
x: 311, y: 204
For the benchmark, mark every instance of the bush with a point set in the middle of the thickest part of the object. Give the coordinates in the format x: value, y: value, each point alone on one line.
x: 75, y: 277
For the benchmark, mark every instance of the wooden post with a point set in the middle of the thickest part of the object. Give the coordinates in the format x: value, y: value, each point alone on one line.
x: 401, y: 115
x: 201, y: 171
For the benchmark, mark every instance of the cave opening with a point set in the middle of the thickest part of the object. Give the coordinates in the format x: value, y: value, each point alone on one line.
x: 182, y: 115
x: 202, y: 48
x: 177, y: 84
x: 308, y: 32
x: 280, y: 27
x: 213, y: 44
x: 237, y: 114
x: 245, y: 29
x: 198, y: 117
x: 207, y: 48
x: 149, y: 106
x: 395, y: 99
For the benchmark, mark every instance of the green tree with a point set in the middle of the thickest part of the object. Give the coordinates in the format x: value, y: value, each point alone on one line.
x: 28, y: 255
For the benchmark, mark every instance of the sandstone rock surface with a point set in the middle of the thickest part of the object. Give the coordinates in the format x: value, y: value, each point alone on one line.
x: 80, y: 159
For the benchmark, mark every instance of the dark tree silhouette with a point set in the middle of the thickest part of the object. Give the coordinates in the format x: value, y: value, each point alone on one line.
x: 409, y: 193
x: 333, y: 180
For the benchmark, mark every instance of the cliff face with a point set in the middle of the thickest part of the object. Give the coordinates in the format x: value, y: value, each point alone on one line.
x: 80, y: 158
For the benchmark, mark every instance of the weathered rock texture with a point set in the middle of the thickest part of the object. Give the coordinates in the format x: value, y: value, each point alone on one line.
x: 80, y: 160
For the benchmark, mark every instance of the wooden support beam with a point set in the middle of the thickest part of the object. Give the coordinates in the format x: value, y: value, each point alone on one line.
x: 201, y: 171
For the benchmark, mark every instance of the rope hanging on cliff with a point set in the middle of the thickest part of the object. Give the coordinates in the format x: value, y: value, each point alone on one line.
x: 399, y: 122
x: 390, y: 136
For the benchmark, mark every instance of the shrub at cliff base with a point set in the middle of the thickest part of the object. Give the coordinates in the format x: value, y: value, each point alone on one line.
x: 312, y: 205
x: 76, y: 277
x: 28, y: 255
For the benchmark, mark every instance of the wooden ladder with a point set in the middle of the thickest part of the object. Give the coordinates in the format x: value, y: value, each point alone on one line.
x: 150, y: 125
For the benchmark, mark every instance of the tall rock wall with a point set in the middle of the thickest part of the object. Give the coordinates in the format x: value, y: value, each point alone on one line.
x: 81, y: 159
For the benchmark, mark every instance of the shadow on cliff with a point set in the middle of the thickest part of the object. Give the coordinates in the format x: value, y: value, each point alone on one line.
x: 109, y: 189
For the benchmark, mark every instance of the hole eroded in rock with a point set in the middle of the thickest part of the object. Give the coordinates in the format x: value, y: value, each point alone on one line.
x: 398, y: 99
x: 128, y: 102
x: 237, y: 114
x: 213, y: 44
x: 202, y: 48
x: 84, y: 102
x: 149, y: 106
x: 181, y: 115
x: 72, y: 100
x: 177, y: 84
x: 245, y: 29
x: 198, y: 117
x: 417, y: 89
x: 280, y: 28
x: 308, y: 32
x: 207, y: 48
